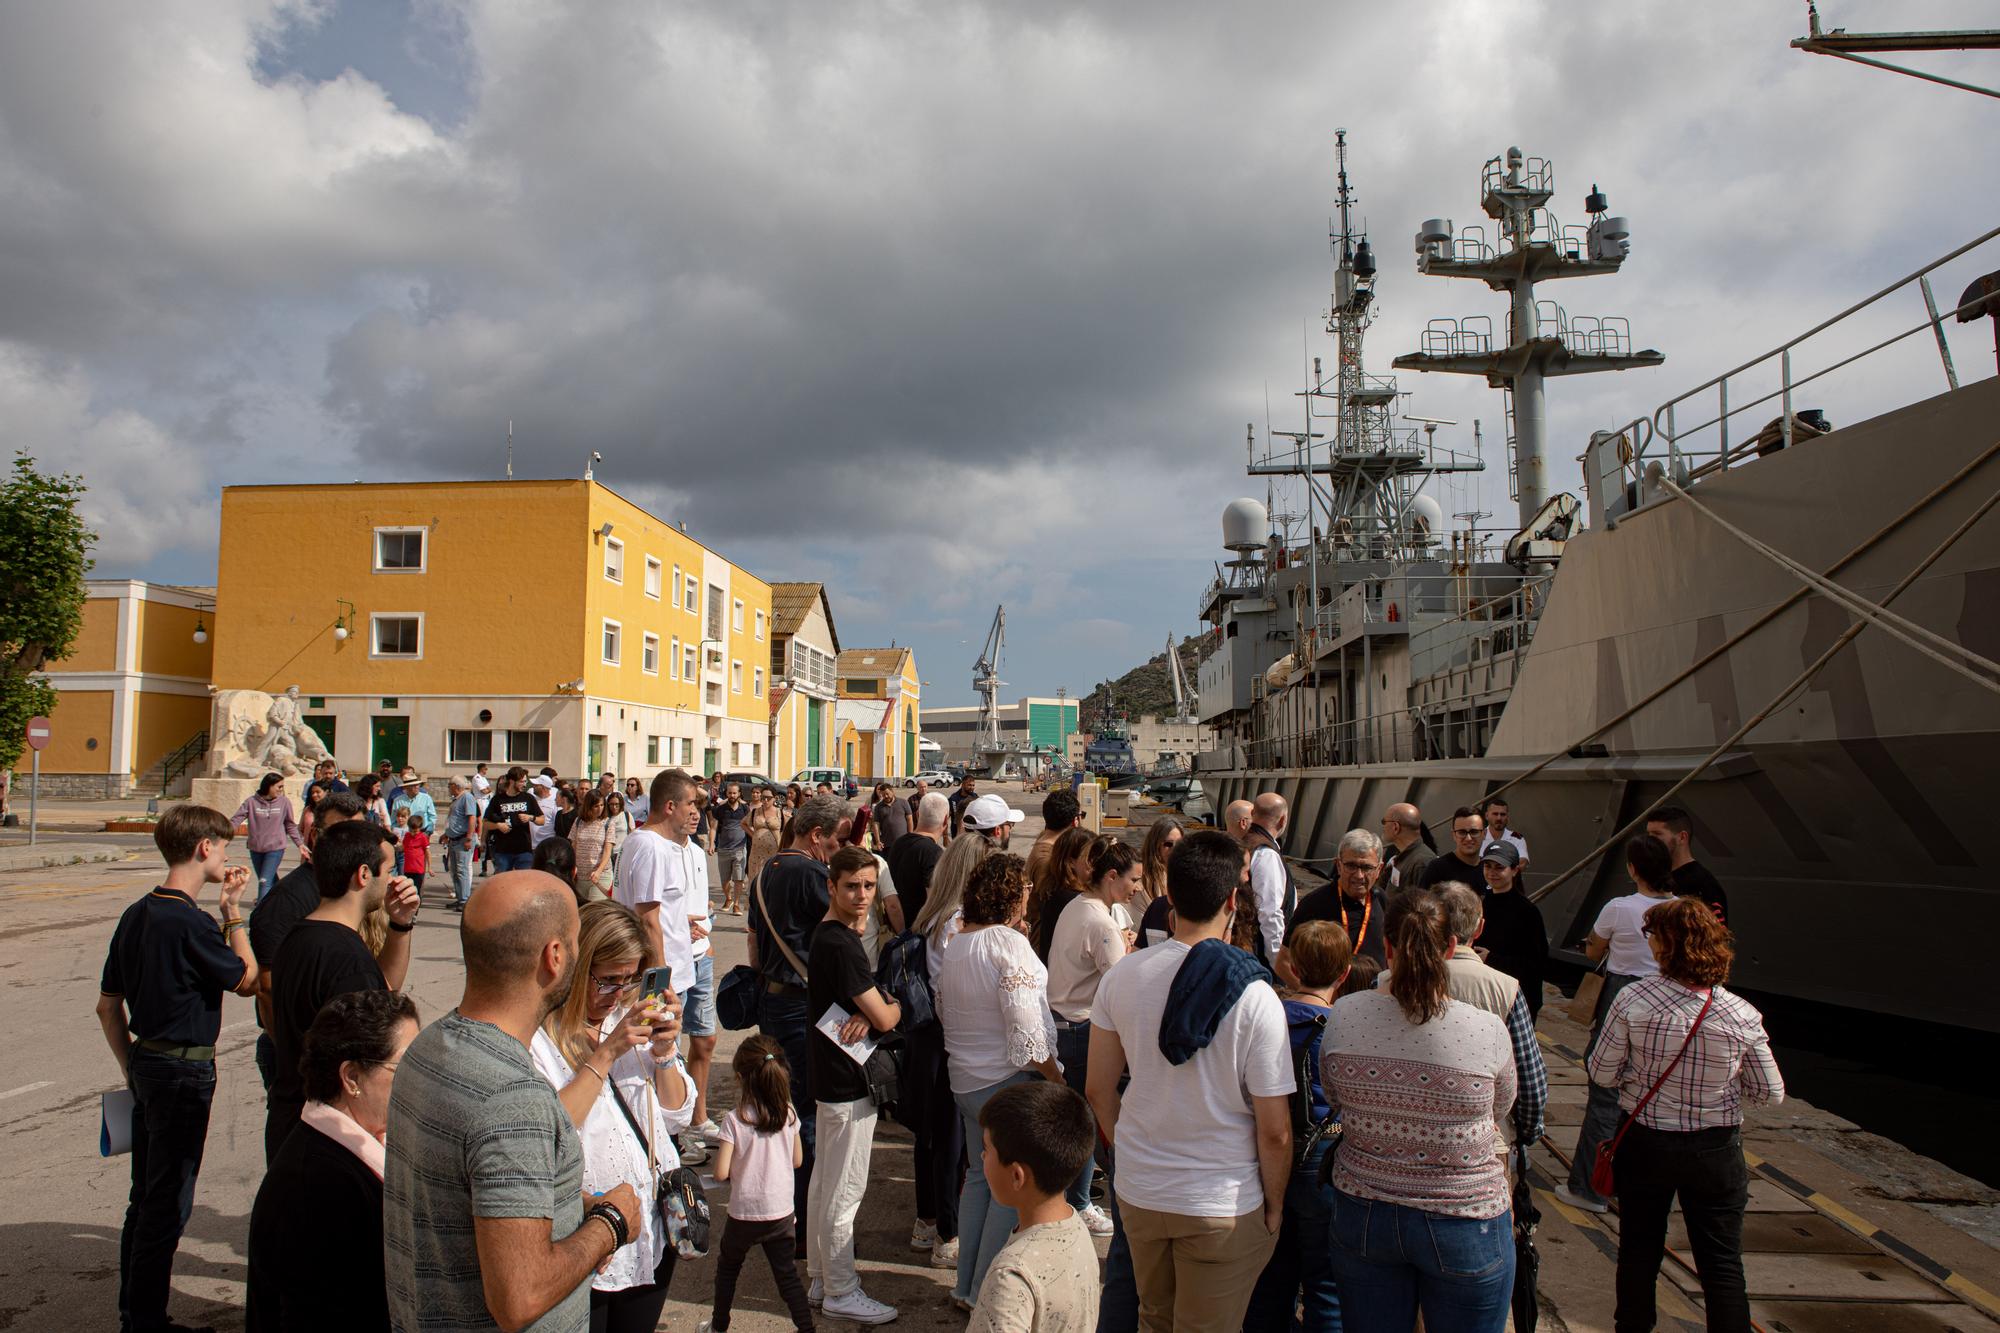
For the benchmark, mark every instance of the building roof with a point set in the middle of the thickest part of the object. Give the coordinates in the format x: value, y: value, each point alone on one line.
x: 791, y: 603
x: 779, y: 693
x: 865, y: 714
x: 884, y: 662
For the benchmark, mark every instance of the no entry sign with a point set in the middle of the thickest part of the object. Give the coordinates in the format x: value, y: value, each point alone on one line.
x: 38, y: 733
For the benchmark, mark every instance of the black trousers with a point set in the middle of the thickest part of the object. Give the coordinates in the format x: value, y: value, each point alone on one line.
x: 1705, y: 1169
x: 635, y: 1309
x: 738, y: 1239
x: 169, y: 1131
x: 940, y: 1133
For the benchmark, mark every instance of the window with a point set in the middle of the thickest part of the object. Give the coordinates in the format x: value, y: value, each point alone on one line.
x: 397, y: 635
x: 712, y: 693
x: 652, y: 578
x: 674, y: 588
x: 614, y: 560
x: 857, y: 685
x: 649, y: 654
x: 687, y: 752
x: 527, y: 747
x: 691, y: 600
x: 714, y: 612
x: 399, y: 550
x: 468, y: 747
x: 674, y: 659
x: 653, y: 751
x: 757, y: 682
x: 687, y: 663
x: 736, y: 615
x: 760, y: 623
x: 614, y: 635
x: 735, y: 677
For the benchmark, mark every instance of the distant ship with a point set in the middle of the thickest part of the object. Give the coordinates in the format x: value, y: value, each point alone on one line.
x: 1593, y: 656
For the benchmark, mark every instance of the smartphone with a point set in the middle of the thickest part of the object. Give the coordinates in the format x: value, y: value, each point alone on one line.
x: 659, y: 981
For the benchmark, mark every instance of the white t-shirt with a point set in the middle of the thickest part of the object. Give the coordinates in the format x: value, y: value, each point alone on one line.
x: 1187, y: 1134
x: 695, y: 862
x: 1619, y: 922
x: 542, y: 832
x: 1086, y: 942
x: 653, y: 870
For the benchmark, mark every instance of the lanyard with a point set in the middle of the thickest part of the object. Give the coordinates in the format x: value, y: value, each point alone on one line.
x: 1366, y: 908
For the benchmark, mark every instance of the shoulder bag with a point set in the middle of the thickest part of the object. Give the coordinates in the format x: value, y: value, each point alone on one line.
x: 678, y: 1201
x: 736, y: 997
x: 1603, y: 1179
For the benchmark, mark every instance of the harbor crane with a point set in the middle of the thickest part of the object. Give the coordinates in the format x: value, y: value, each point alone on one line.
x: 1183, y: 691
x: 986, y: 680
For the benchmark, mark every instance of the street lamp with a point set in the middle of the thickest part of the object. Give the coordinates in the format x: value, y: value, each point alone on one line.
x: 200, y: 629
x: 343, y: 624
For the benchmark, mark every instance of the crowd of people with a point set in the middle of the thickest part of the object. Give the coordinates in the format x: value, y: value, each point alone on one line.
x: 1248, y: 1076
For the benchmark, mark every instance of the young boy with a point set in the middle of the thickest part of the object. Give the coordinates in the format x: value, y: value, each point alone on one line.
x: 415, y: 849
x: 1037, y: 1137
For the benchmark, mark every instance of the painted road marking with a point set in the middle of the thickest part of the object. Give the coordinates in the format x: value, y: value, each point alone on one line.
x: 25, y: 1087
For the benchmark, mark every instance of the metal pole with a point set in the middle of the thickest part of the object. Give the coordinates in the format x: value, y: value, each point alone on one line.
x: 1787, y: 371
x: 34, y: 794
x: 1937, y: 327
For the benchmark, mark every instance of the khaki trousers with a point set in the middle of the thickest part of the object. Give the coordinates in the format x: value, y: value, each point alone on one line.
x: 1195, y: 1274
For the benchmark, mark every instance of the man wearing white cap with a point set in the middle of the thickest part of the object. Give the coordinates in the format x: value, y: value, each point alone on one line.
x: 992, y: 818
x: 544, y: 788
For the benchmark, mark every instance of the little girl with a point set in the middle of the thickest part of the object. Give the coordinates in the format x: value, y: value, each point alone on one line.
x: 759, y: 1151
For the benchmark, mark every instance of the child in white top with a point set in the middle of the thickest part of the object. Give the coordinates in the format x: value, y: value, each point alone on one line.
x: 1037, y: 1136
x: 760, y: 1150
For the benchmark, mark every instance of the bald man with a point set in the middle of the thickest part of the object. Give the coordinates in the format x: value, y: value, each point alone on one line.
x: 1404, y: 854
x: 1273, y: 896
x: 483, y: 1186
x: 1236, y: 819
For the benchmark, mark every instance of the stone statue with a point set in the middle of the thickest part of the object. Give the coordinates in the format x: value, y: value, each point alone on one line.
x: 255, y: 733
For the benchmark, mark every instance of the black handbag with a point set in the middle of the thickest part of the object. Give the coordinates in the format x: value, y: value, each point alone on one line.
x: 678, y: 1198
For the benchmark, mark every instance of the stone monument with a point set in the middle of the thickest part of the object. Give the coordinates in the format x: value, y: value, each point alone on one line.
x: 253, y: 733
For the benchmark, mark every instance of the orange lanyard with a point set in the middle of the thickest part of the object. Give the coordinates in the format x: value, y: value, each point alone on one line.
x: 1366, y: 907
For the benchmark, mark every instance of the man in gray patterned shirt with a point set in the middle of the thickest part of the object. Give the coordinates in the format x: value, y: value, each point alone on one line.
x: 485, y: 1221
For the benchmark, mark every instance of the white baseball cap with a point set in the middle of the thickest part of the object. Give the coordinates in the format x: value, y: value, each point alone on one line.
x: 990, y: 812
x: 541, y: 780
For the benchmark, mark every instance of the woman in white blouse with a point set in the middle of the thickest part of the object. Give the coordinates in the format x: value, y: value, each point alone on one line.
x: 993, y: 1002
x: 606, y: 1046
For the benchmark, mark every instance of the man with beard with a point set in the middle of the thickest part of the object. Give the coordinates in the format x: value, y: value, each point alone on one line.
x: 482, y: 1187
x: 991, y: 818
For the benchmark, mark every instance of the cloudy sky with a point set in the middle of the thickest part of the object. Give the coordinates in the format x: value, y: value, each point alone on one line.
x: 947, y: 304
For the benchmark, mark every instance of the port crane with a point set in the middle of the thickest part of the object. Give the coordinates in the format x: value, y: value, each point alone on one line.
x: 1183, y: 691
x: 986, y: 680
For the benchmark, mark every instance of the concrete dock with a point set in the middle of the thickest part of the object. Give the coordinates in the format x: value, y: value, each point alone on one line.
x: 1846, y: 1230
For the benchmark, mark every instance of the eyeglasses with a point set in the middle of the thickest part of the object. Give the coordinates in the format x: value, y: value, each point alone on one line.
x: 1467, y: 832
x: 613, y: 985
x: 1647, y: 931
x: 1360, y: 867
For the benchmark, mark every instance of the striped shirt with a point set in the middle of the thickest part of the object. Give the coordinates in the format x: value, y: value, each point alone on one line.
x: 1728, y: 1062
x: 1418, y: 1104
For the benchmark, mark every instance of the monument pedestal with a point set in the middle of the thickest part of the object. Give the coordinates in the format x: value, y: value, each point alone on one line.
x: 227, y: 795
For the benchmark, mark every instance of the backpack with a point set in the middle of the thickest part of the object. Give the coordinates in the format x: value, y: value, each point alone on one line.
x: 902, y: 970
x: 1307, y: 1133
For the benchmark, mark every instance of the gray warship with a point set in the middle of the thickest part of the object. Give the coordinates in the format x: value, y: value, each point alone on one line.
x: 1688, y: 629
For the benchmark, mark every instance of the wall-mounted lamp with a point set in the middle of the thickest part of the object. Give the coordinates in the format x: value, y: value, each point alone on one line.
x: 200, y: 629
x: 604, y: 531
x: 343, y: 625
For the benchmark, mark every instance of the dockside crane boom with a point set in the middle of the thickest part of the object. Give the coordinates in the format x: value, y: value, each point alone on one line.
x: 986, y: 680
x: 1183, y: 692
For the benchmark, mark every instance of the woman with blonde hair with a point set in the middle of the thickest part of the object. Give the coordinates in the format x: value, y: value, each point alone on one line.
x: 590, y: 837
x: 613, y: 1057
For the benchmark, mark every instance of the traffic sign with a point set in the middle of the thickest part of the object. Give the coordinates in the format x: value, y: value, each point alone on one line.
x: 38, y: 733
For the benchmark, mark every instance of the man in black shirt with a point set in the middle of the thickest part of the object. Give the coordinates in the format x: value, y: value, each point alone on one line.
x: 793, y: 887
x: 160, y: 1005
x: 913, y: 857
x: 1352, y: 898
x: 1671, y: 825
x: 732, y: 842
x: 1461, y: 864
x: 964, y: 796
x: 511, y: 817
x: 290, y: 901
x: 325, y: 955
x: 843, y: 984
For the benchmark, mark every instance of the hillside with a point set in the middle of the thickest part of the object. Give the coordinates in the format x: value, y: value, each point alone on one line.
x: 1146, y: 689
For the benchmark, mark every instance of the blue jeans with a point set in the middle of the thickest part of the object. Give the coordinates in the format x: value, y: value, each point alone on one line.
x: 1073, y: 1050
x: 458, y: 855
x: 265, y: 864
x: 1600, y: 1108
x: 513, y: 861
x: 783, y: 1019
x: 1392, y: 1261
x: 1302, y: 1265
x: 1118, y: 1302
x: 983, y: 1225
x: 169, y: 1130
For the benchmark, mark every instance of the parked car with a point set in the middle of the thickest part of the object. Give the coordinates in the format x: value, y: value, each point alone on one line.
x: 840, y: 781
x: 748, y: 782
x: 937, y: 777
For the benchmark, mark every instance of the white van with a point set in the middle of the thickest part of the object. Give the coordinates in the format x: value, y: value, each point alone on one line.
x: 810, y: 778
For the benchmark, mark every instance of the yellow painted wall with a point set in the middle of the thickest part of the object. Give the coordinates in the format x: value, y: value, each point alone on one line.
x: 79, y: 716
x: 906, y: 716
x: 96, y: 646
x: 745, y: 647
x: 643, y: 535
x: 163, y: 723
x: 166, y: 641
x: 503, y: 592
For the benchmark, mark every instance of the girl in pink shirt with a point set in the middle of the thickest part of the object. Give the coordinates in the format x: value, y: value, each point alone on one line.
x: 759, y: 1152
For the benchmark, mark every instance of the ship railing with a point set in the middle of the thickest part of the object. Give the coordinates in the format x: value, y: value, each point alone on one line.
x: 1380, y: 739
x: 1505, y: 620
x: 1471, y: 335
x: 1600, y: 335
x: 1472, y: 246
x: 1676, y: 433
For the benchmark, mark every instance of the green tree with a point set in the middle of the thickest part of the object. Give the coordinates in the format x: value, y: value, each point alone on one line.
x: 44, y: 554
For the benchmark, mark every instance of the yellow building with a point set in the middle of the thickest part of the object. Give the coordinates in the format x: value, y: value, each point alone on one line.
x: 445, y: 624
x: 132, y: 693
x: 804, y: 648
x: 882, y: 696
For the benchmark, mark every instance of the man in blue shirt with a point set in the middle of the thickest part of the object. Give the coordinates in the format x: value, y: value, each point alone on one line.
x: 160, y: 1005
x: 461, y: 826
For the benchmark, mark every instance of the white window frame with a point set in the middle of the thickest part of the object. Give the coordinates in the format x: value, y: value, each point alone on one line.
x: 760, y: 624
x: 674, y: 660
x: 612, y: 627
x: 736, y: 675
x: 374, y: 639
x: 736, y: 615
x: 649, y: 646
x: 674, y: 588
x: 614, y: 544
x: 757, y: 682
x: 375, y: 550
x: 653, y: 577
x: 691, y: 602
x: 652, y: 758
x: 451, y: 756
x: 547, y: 748
x: 688, y: 655
x: 687, y: 751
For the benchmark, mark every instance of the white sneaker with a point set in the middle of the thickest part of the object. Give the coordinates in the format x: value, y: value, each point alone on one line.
x: 1581, y: 1202
x: 859, y: 1307
x: 705, y: 1326
x: 708, y: 1129
x: 693, y: 1151
x: 923, y: 1235
x: 816, y: 1293
x: 945, y: 1254
x: 1096, y: 1220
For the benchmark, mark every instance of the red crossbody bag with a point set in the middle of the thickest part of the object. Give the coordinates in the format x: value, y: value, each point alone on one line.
x: 1601, y: 1176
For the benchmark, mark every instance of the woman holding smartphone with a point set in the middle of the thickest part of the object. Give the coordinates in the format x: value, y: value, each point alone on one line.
x: 612, y: 1054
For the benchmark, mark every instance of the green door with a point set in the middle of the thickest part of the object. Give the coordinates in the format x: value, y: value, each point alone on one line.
x: 812, y: 732
x: 710, y: 761
x: 594, y: 757
x: 392, y: 742
x: 909, y: 741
